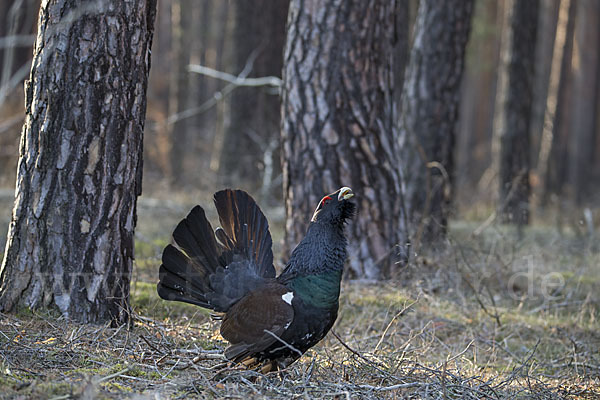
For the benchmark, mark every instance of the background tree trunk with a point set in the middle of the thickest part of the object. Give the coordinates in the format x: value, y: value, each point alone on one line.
x: 70, y: 242
x: 430, y: 103
x: 17, y: 27
x: 546, y: 36
x: 586, y: 86
x: 472, y: 168
x: 516, y: 116
x: 402, y: 50
x: 251, y: 144
x: 561, y: 56
x: 556, y: 164
x: 179, y: 89
x: 337, y: 125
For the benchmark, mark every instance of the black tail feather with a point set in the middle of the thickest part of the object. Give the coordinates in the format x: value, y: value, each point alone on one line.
x: 195, y: 236
x: 184, y: 276
x: 247, y: 228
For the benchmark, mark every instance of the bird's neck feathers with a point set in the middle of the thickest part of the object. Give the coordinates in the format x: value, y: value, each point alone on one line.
x: 322, y: 250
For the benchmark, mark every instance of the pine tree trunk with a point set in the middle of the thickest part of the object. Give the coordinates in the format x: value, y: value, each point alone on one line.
x: 430, y: 103
x: 517, y: 110
x: 253, y: 132
x: 337, y: 127
x: 70, y: 242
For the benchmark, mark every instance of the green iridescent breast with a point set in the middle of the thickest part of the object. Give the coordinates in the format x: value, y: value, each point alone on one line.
x: 321, y: 291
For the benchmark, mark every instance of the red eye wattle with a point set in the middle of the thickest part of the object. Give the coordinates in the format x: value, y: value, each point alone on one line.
x: 325, y: 200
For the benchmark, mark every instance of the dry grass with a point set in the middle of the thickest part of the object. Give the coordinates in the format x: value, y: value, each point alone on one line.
x: 489, y: 316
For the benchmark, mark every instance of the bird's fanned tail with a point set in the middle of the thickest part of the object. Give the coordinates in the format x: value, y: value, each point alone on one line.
x: 214, y: 275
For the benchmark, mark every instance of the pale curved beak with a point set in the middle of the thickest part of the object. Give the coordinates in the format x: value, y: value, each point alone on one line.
x: 345, y: 193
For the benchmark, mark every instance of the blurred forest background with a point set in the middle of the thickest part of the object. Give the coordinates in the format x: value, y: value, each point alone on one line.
x: 204, y: 133
x: 504, y: 98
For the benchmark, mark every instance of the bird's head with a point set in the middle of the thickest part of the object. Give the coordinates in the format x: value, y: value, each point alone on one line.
x: 335, y: 208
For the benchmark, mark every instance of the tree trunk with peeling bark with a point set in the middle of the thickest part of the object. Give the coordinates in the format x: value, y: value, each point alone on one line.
x: 70, y: 241
x: 429, y: 113
x: 337, y: 128
x: 517, y: 110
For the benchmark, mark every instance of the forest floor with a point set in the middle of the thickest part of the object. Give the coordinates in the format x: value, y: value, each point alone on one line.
x: 491, y: 316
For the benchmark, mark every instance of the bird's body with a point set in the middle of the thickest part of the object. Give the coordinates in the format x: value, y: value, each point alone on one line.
x: 268, y: 320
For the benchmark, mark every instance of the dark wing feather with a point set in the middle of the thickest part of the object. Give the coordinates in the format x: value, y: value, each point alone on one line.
x: 246, y: 324
x: 245, y: 230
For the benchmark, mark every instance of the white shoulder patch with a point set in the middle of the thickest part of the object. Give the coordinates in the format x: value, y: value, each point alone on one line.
x: 288, y: 297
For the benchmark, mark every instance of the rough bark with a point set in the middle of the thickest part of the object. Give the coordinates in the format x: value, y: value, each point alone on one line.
x: 585, y: 85
x: 517, y: 109
x: 429, y: 114
x: 70, y: 241
x: 251, y: 144
x: 337, y: 125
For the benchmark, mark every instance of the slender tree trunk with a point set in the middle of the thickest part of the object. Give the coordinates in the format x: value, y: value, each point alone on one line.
x: 202, y: 126
x: 17, y: 21
x: 554, y: 174
x: 430, y: 103
x: 546, y: 36
x: 402, y: 49
x: 70, y: 242
x: 516, y: 116
x: 477, y: 102
x: 563, y: 44
x: 179, y: 90
x: 587, y: 33
x: 253, y: 132
x: 337, y: 127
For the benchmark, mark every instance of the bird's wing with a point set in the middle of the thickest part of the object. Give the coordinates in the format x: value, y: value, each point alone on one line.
x: 245, y: 232
x: 257, y: 321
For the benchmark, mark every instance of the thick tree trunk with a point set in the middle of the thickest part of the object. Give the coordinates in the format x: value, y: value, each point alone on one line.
x: 516, y: 116
x: 585, y: 85
x: 251, y: 144
x: 337, y: 127
x: 430, y: 103
x: 70, y: 242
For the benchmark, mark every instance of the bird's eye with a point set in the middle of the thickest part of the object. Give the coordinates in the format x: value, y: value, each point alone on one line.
x: 325, y: 200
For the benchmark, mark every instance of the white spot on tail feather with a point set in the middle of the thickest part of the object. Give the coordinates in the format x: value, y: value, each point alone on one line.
x: 288, y: 297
